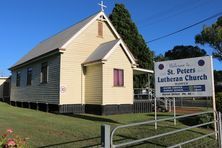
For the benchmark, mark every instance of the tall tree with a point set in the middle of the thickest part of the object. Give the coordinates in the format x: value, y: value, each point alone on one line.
x: 121, y: 20
x: 159, y: 58
x: 181, y: 52
x: 218, y: 75
x: 218, y: 79
x: 212, y: 35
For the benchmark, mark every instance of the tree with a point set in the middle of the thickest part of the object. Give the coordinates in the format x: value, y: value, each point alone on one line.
x: 217, y: 78
x: 181, y: 52
x: 212, y: 35
x: 121, y: 20
x: 218, y: 75
x: 159, y: 58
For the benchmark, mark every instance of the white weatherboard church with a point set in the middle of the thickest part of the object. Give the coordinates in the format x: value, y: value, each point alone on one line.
x: 85, y: 68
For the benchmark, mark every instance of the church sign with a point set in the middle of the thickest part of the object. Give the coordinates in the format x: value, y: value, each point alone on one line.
x: 191, y: 77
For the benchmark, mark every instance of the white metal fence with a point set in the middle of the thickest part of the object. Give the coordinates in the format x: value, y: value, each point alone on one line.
x: 147, y: 94
x: 107, y: 139
x: 143, y: 93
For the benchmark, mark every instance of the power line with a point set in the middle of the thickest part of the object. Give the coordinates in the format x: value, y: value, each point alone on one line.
x: 167, y: 35
x: 170, y: 14
x: 164, y: 12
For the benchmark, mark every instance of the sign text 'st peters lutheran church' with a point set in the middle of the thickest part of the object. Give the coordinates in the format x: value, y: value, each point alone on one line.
x: 184, y: 78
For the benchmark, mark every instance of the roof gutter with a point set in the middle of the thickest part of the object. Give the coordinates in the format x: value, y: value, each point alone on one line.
x: 48, y: 54
x: 94, y: 62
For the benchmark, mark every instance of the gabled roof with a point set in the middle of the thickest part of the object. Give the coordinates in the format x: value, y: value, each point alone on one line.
x: 101, y: 51
x: 104, y: 50
x: 62, y: 39
x: 56, y: 41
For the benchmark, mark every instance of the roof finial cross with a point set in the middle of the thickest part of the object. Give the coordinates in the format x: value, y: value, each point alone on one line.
x: 102, y: 6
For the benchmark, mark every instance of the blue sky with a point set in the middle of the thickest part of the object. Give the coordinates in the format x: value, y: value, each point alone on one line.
x: 24, y: 23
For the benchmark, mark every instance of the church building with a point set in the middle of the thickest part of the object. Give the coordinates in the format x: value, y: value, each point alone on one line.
x: 86, y: 68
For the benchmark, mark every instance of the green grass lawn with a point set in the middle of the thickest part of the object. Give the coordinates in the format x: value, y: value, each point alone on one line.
x: 53, y: 130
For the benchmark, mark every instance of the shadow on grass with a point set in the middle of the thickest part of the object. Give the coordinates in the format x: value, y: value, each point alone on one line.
x: 123, y: 138
x: 191, y: 121
x: 141, y: 143
x: 93, y: 118
x: 84, y: 140
x: 151, y: 144
x: 172, y: 128
x: 72, y: 142
x: 160, y: 115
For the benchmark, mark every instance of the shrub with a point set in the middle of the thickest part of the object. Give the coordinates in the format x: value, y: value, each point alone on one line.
x: 218, y: 88
x: 204, y: 119
x: 11, y: 140
x: 219, y: 102
x: 194, y: 120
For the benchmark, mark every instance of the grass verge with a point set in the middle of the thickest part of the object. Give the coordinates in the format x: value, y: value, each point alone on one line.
x: 53, y: 130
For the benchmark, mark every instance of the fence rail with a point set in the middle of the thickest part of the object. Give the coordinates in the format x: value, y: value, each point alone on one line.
x: 192, y: 140
x: 144, y: 101
x: 142, y: 106
x: 143, y: 93
x: 110, y: 136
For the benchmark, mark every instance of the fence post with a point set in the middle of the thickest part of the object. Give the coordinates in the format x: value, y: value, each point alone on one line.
x: 105, y: 136
x: 155, y: 112
x: 170, y: 105
x: 174, y: 111
x: 219, y: 130
x: 166, y: 105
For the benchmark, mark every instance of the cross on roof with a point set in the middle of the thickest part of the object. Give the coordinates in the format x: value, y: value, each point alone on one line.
x: 102, y: 6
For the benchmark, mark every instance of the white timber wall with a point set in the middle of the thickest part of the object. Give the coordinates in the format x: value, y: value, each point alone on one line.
x: 37, y: 92
x: 72, y: 76
x: 93, y: 84
x: 112, y: 94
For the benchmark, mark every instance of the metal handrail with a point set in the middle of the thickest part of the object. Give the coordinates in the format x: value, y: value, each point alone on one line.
x: 164, y: 134
x: 155, y: 121
x: 141, y: 89
x: 143, y: 100
x: 195, y: 139
x: 143, y: 93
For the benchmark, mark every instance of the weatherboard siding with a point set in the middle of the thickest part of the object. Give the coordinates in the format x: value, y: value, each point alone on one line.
x: 45, y: 93
x: 93, y: 84
x: 111, y: 93
x: 2, y: 81
x: 72, y: 76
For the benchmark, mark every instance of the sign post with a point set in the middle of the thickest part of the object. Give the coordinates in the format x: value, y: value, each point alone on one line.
x: 214, y: 100
x: 191, y: 77
x: 155, y: 110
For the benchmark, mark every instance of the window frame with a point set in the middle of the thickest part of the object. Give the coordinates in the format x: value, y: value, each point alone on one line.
x: 100, y: 29
x: 118, y: 81
x: 44, y: 77
x: 29, y: 76
x: 18, y: 79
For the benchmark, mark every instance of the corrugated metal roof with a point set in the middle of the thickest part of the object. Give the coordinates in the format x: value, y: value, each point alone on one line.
x: 4, y: 77
x: 101, y: 51
x: 54, y: 42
